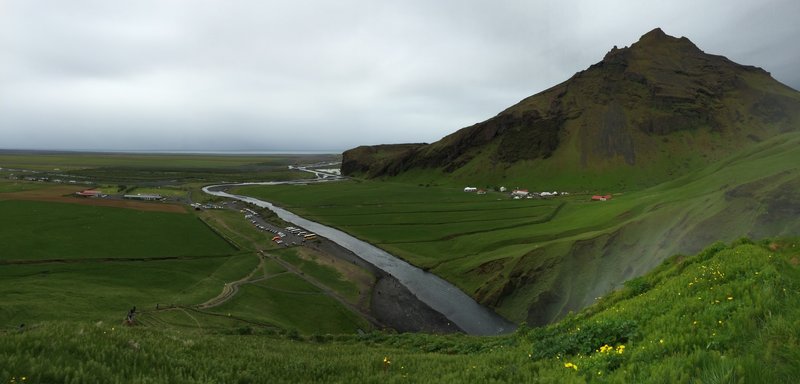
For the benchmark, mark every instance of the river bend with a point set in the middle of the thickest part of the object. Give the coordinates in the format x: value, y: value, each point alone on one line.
x: 432, y: 290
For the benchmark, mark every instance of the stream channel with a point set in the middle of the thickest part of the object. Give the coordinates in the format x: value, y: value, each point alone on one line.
x: 432, y: 290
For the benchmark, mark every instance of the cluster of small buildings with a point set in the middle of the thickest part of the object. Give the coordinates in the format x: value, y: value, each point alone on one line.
x: 518, y: 193
x: 526, y: 194
x: 93, y: 193
x: 41, y: 179
x: 475, y: 190
x: 144, y: 196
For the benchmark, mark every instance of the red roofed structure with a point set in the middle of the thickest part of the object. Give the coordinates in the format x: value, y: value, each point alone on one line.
x: 89, y: 193
x: 601, y: 198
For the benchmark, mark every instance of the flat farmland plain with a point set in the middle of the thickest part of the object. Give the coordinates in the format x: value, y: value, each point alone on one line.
x: 37, y: 230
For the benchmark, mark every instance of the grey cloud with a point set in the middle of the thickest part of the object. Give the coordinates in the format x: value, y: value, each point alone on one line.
x: 325, y: 75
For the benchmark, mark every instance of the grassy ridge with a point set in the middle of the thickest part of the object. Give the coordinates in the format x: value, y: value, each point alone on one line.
x: 728, y: 314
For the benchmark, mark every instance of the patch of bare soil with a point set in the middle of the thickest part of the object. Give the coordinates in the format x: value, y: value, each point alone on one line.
x: 62, y: 195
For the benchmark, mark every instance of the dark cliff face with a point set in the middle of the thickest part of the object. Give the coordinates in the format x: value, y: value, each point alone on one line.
x: 378, y: 160
x: 619, y: 109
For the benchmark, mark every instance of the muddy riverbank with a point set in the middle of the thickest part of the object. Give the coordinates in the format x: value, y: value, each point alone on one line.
x: 391, y: 302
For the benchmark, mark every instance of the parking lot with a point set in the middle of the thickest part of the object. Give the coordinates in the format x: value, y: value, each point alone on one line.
x: 289, y: 236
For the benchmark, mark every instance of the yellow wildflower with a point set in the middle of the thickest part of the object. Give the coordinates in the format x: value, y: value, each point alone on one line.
x: 570, y: 365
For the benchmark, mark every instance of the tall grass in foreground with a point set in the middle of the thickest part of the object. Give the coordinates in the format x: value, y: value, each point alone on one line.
x: 727, y: 315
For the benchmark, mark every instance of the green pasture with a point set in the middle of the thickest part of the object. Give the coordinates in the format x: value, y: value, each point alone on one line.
x: 19, y: 186
x: 289, y: 302
x: 105, y: 290
x: 64, y: 262
x: 728, y: 314
x: 31, y: 230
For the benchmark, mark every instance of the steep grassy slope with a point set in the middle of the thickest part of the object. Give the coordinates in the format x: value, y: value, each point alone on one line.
x: 728, y: 314
x: 643, y: 115
x: 536, y: 260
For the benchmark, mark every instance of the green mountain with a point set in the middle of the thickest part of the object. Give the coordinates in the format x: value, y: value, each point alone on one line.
x: 695, y: 148
x: 644, y: 114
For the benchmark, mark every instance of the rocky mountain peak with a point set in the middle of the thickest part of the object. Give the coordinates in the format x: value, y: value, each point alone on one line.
x: 654, y: 44
x: 660, y: 101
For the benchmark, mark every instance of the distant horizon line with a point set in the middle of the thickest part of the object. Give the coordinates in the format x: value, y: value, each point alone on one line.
x: 176, y: 152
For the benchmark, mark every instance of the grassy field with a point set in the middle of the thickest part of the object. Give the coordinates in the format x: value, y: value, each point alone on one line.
x: 19, y: 186
x: 726, y: 315
x: 558, y: 255
x: 32, y: 230
x: 70, y: 261
x: 104, y: 291
x: 349, y: 281
x: 289, y: 302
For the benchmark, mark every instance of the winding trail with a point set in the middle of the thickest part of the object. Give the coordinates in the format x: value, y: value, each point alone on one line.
x: 230, y: 289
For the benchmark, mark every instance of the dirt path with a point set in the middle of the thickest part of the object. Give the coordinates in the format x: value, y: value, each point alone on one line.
x: 230, y: 289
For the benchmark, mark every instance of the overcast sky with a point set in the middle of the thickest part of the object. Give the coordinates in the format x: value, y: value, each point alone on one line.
x: 326, y: 75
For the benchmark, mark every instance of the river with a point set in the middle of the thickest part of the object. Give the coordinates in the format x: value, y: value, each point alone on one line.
x: 432, y: 290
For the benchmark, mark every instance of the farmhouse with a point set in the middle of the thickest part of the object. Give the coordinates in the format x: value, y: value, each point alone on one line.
x: 601, y: 197
x: 481, y: 191
x: 470, y: 189
x: 89, y: 193
x: 146, y: 197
